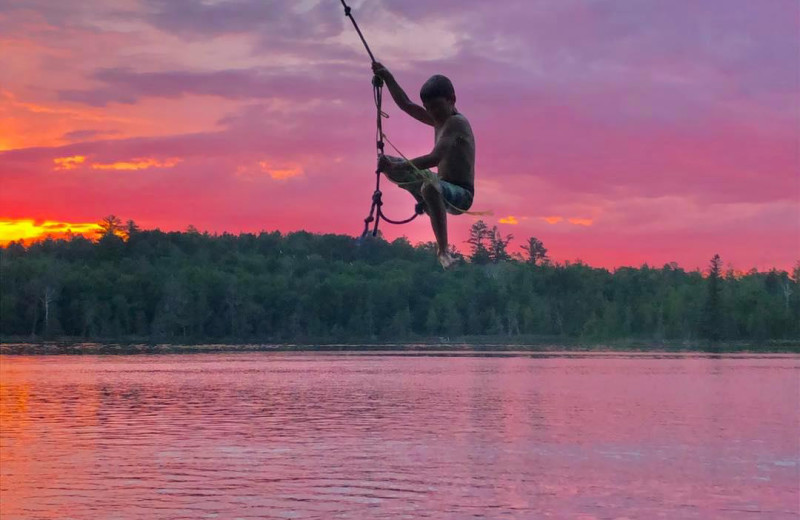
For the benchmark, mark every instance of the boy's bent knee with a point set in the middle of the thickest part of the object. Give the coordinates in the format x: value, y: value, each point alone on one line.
x: 394, y: 177
x: 431, y: 190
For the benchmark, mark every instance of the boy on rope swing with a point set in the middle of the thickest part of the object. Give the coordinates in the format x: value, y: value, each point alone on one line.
x: 452, y: 190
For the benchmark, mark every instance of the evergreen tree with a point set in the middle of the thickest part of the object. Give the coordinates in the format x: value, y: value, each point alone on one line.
x: 111, y: 225
x: 131, y: 228
x: 537, y: 253
x: 498, y: 246
x: 712, y: 317
x: 479, y: 236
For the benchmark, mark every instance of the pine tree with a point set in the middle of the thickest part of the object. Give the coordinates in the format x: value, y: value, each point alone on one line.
x: 498, y: 246
x: 111, y: 225
x: 131, y: 228
x: 537, y: 253
x: 479, y: 235
x: 712, y: 315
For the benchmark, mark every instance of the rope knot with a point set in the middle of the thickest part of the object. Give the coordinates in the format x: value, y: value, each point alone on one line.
x: 347, y: 10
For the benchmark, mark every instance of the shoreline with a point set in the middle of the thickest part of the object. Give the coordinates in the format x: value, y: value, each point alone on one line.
x: 466, y: 345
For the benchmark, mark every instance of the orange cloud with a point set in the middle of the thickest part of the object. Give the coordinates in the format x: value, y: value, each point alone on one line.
x: 28, y: 124
x: 30, y: 230
x: 72, y: 162
x: 69, y: 163
x: 553, y: 220
x: 581, y: 221
x: 139, y: 163
x: 509, y: 220
x: 282, y: 172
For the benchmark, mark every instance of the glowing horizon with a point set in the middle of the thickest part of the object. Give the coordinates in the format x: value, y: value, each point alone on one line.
x: 30, y: 230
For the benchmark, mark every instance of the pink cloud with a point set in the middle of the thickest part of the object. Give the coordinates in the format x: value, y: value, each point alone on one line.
x: 127, y: 86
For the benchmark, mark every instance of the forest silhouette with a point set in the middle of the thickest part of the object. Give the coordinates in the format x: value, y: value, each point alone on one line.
x: 149, y: 285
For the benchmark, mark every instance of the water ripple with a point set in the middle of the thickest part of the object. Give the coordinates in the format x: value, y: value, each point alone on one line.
x: 274, y: 435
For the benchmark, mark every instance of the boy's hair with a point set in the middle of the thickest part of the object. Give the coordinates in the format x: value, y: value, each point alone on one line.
x: 437, y: 86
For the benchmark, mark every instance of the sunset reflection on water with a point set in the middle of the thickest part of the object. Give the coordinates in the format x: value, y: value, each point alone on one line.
x: 394, y: 436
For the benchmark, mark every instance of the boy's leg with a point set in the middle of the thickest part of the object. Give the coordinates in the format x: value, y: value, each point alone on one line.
x: 427, y: 191
x: 432, y: 195
x: 404, y: 175
x: 457, y: 199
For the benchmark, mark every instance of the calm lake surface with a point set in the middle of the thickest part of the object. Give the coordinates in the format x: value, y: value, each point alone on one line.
x: 354, y: 435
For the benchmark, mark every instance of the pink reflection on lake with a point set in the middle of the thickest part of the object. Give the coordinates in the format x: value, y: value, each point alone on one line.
x: 399, y: 436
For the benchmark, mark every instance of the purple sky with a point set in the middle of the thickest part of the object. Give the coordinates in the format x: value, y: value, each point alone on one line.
x: 617, y: 132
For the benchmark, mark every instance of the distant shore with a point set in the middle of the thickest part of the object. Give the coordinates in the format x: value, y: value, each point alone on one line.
x: 68, y: 346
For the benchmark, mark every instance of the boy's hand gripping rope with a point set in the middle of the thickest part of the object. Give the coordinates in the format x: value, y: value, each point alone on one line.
x: 376, y: 210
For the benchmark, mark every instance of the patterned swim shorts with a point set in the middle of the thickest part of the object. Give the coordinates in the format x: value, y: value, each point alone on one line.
x: 457, y: 199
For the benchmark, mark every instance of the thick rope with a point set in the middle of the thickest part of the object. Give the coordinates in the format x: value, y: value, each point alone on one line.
x: 376, y: 209
x: 349, y: 15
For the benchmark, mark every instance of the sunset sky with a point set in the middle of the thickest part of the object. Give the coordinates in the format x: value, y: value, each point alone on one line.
x: 618, y: 132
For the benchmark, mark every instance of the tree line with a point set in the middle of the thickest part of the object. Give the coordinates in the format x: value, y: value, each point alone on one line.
x: 134, y: 284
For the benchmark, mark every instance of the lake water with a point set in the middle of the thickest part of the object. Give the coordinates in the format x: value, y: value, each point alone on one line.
x: 354, y: 435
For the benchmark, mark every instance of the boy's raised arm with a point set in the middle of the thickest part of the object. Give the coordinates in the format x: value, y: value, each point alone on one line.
x: 400, y: 97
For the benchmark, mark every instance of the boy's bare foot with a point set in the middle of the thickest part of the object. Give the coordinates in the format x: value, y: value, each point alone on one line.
x: 446, y: 260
